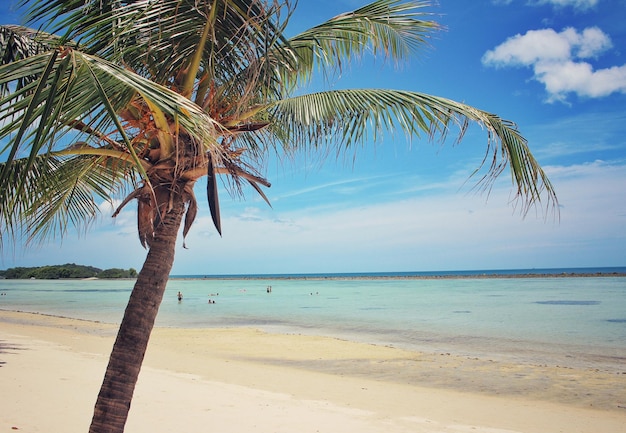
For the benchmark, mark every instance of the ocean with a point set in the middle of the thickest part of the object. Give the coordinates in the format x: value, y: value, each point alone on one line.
x: 561, y: 320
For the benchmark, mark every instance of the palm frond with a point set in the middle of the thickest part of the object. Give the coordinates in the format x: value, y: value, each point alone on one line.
x: 159, y: 38
x: 74, y: 87
x: 57, y: 193
x: 393, y: 28
x: 18, y: 42
x: 344, y: 118
x: 75, y: 99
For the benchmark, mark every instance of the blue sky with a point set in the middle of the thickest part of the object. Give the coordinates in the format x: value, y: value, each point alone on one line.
x: 555, y: 67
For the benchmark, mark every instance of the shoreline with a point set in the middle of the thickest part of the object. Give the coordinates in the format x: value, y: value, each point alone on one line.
x: 215, y: 376
x: 573, y: 357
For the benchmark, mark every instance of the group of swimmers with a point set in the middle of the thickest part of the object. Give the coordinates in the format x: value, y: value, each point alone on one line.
x: 211, y: 301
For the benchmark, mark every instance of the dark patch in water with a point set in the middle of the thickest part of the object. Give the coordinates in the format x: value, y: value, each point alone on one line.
x: 617, y: 320
x: 567, y: 302
x: 96, y: 290
x: 462, y: 311
x: 372, y: 308
x: 82, y: 290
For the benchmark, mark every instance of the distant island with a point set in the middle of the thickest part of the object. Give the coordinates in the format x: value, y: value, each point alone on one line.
x: 66, y: 271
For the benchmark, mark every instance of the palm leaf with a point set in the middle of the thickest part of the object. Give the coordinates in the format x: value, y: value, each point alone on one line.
x: 343, y: 118
x: 390, y: 27
x: 84, y: 87
x: 78, y: 93
x: 160, y: 38
x: 18, y: 42
x: 56, y: 193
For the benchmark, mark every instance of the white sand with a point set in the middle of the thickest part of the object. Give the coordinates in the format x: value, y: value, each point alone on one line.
x: 240, y: 380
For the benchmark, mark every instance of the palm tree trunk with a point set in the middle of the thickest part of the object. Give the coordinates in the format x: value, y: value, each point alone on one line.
x: 113, y: 403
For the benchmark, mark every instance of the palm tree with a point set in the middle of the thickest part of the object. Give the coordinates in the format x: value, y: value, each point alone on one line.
x: 141, y: 98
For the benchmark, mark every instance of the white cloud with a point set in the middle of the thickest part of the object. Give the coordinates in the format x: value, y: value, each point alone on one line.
x: 580, y: 78
x: 590, y: 43
x: 546, y: 45
x: 576, y: 4
x: 559, y: 61
x: 532, y: 47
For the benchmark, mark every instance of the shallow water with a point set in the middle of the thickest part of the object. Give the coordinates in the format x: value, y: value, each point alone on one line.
x: 561, y: 321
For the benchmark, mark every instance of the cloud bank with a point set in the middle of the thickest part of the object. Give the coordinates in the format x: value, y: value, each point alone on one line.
x: 576, y: 4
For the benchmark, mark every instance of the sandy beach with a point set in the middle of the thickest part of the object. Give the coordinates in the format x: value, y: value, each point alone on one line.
x: 235, y: 380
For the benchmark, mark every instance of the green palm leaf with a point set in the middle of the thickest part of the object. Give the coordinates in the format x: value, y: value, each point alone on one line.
x: 80, y: 86
x: 348, y: 117
x: 41, y: 118
x: 57, y: 193
x: 390, y: 27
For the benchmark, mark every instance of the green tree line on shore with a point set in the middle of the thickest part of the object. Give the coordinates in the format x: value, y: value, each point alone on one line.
x: 68, y: 270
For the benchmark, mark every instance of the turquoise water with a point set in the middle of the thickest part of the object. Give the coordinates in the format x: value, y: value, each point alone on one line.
x: 562, y: 321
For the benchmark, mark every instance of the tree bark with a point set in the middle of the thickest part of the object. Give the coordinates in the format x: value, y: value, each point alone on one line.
x: 113, y: 403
